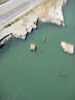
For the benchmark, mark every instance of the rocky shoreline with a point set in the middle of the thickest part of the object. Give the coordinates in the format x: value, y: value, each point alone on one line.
x: 27, y: 23
x: 55, y: 14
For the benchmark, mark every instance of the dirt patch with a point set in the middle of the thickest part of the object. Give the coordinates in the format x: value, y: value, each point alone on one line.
x: 25, y: 20
x: 3, y: 1
x: 43, y: 9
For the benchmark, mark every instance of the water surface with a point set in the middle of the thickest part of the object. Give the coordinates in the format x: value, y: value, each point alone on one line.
x: 26, y: 75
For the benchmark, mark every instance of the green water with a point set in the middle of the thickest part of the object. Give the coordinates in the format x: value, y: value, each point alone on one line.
x: 26, y: 75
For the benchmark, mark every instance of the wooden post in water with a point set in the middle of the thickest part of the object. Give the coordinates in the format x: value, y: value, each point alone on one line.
x: 44, y: 39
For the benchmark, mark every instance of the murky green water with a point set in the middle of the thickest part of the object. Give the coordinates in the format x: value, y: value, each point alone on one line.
x: 26, y: 75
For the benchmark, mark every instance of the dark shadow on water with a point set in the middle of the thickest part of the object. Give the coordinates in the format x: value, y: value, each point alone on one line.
x: 2, y: 46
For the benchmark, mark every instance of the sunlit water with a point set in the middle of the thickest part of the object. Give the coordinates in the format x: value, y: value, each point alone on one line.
x: 26, y: 75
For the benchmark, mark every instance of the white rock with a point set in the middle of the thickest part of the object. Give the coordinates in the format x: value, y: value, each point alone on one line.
x: 55, y: 13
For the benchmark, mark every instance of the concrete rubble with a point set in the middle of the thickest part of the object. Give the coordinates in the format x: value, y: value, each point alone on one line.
x: 32, y: 47
x: 5, y: 39
x: 19, y: 30
x: 67, y: 47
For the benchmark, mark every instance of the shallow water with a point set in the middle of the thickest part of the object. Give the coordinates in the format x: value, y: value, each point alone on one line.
x: 26, y: 75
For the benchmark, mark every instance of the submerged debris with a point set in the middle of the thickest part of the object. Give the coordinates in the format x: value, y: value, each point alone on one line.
x: 32, y: 38
x: 39, y: 41
x: 37, y: 54
x: 63, y: 75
